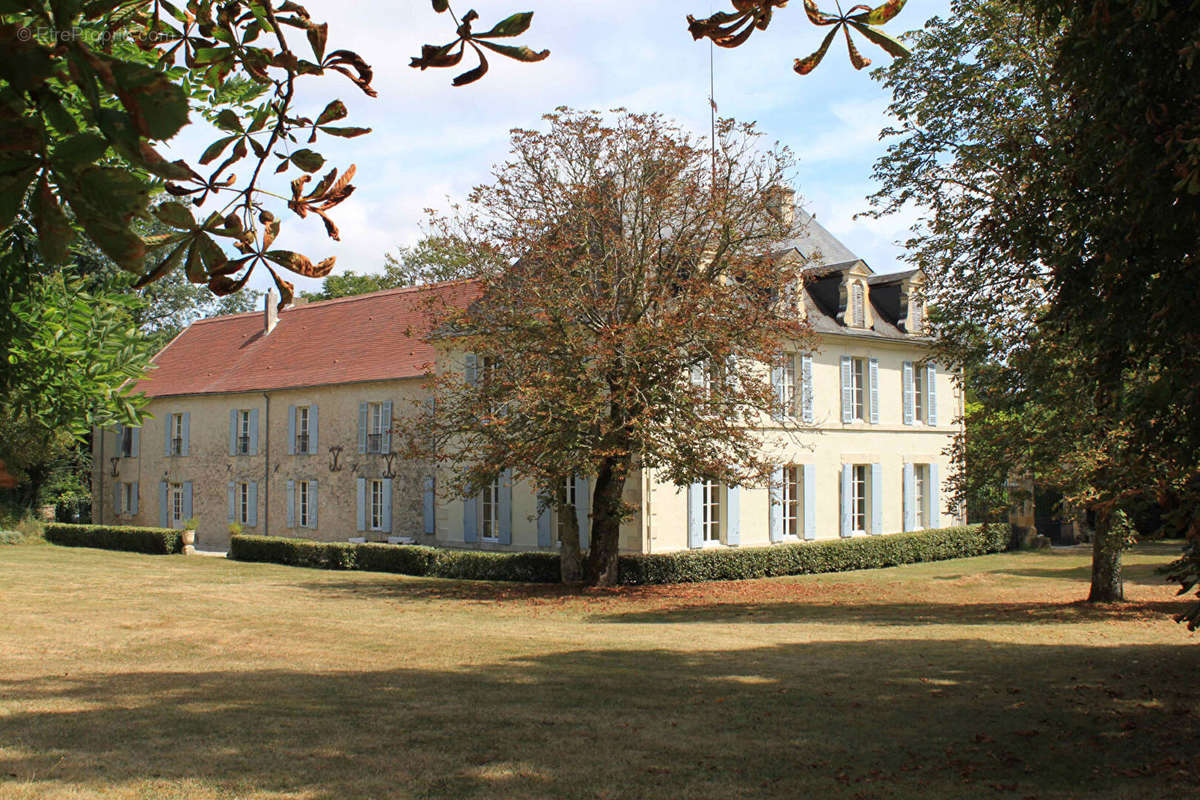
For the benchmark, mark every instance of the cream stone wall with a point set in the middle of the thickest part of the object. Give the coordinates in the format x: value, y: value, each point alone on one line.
x: 660, y: 523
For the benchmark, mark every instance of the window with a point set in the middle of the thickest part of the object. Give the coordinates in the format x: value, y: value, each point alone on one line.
x: 489, y: 507
x: 915, y: 312
x: 569, y: 485
x: 858, y: 302
x: 243, y: 503
x: 790, y: 492
x: 302, y: 429
x: 128, y: 498
x: 377, y: 503
x: 711, y: 506
x: 376, y: 427
x: 920, y: 483
x: 302, y: 508
x: 176, y: 505
x: 177, y: 434
x: 243, y: 432
x: 919, y: 394
x: 787, y: 385
x: 125, y: 442
x: 858, y: 388
x: 858, y: 499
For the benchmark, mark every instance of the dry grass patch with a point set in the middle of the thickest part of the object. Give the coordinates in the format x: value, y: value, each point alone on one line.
x: 129, y: 676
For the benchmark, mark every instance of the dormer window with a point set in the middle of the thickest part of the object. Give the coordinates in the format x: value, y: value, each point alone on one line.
x: 916, y: 314
x: 858, y: 305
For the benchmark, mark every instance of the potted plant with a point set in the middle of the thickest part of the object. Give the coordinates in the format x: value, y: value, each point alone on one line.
x: 188, y: 534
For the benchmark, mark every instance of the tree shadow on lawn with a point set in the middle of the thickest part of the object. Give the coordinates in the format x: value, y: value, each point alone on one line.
x: 878, y: 718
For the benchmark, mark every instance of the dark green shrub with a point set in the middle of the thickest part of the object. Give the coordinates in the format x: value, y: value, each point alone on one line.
x: 836, y: 555
x: 399, y: 558
x: 155, y: 541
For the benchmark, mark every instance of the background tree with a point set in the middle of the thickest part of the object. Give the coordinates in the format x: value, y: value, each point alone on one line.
x: 1059, y: 230
x: 633, y: 329
x: 431, y: 259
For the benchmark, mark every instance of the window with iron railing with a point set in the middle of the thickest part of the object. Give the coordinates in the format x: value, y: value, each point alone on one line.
x: 243, y: 443
x: 177, y: 446
x: 301, y: 442
x: 374, y: 442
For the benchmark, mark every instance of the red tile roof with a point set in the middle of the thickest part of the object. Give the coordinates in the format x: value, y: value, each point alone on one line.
x: 368, y: 337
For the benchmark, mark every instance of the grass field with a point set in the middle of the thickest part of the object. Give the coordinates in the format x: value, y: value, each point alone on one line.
x: 130, y: 676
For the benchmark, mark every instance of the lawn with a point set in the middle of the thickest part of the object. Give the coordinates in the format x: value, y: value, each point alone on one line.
x: 131, y: 676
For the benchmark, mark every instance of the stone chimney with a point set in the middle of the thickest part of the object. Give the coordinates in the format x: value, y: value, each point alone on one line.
x: 782, y: 202
x: 270, y: 312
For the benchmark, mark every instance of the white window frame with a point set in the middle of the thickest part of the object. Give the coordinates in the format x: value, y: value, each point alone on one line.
x: 375, y: 427
x: 860, y: 498
x: 375, y: 520
x: 176, y: 500
x: 177, y: 434
x: 302, y: 423
x: 792, y: 493
x: 789, y: 386
x: 489, y: 512
x: 712, y: 517
x: 126, y: 499
x: 920, y: 482
x: 920, y: 394
x: 303, y: 514
x: 243, y: 431
x: 243, y: 503
x: 858, y: 388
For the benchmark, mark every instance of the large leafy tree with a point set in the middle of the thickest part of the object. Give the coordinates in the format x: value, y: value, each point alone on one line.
x: 632, y: 330
x: 1059, y: 227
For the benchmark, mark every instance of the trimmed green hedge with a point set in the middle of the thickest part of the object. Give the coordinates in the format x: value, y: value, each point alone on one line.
x: 725, y: 564
x: 155, y: 541
x: 834, y: 555
x: 432, y: 562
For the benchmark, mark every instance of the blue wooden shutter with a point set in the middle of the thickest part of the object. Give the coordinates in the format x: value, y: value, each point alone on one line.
x: 233, y: 432
x: 909, y: 394
x: 133, y: 493
x: 386, y: 447
x: 116, y: 498
x: 163, y: 516
x: 775, y: 505
x: 505, y: 510
x: 931, y: 394
x: 471, y: 368
x: 254, y: 431
x: 934, y: 494
x: 543, y: 522
x: 810, y: 501
x: 733, y: 515
x: 583, y: 511
x: 387, y: 504
x: 167, y: 424
x: 312, y: 504
x: 312, y: 429
x: 471, y: 519
x: 874, y: 381
x: 252, y: 512
x: 429, y: 505
x: 291, y: 504
x: 361, y: 485
x: 135, y: 447
x: 806, y: 389
x: 232, y: 496
x: 291, y: 435
x: 876, y: 498
x: 187, y: 432
x: 187, y: 500
x: 362, y: 428
x: 695, y: 515
x: 777, y: 387
x: 847, y: 392
x: 847, y: 498
x: 910, y: 507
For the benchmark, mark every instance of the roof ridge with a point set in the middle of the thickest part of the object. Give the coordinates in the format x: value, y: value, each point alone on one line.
x: 425, y: 287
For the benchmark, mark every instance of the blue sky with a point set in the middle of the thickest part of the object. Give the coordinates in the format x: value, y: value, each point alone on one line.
x: 432, y: 141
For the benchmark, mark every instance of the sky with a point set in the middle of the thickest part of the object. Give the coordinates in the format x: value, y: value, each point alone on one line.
x: 432, y: 142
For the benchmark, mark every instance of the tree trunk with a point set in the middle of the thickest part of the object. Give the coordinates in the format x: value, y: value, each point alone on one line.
x: 1108, y: 585
x: 601, y: 566
x: 569, y: 557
